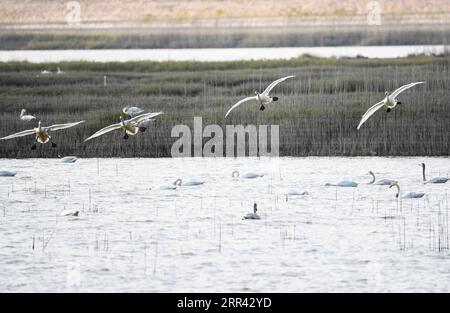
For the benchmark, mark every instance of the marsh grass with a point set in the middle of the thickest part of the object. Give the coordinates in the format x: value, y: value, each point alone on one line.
x: 318, y: 111
x: 174, y: 38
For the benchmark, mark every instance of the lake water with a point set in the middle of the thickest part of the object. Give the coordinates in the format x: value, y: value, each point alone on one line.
x: 132, y: 236
x: 223, y: 54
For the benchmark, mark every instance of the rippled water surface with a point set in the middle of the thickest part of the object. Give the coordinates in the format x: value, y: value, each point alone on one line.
x: 132, y: 236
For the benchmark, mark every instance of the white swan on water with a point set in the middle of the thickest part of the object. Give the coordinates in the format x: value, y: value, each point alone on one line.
x: 252, y: 216
x: 69, y: 212
x: 4, y: 173
x: 296, y: 192
x: 262, y: 98
x: 435, y: 180
x: 381, y: 181
x: 389, y: 102
x: 26, y: 117
x: 249, y: 175
x: 189, y: 183
x: 410, y: 195
x: 68, y: 159
x: 130, y: 127
x: 42, y: 133
x: 343, y: 183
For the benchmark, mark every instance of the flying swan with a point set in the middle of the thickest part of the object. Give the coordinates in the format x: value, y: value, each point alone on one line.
x: 42, y: 133
x: 25, y: 117
x: 410, y: 195
x: 262, y: 98
x: 130, y: 127
x: 436, y: 180
x: 390, y: 102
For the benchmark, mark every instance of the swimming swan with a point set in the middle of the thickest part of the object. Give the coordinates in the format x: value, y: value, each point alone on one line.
x: 42, y: 133
x: 188, y: 183
x: 262, y: 98
x: 252, y: 216
x: 411, y: 195
x: 68, y: 159
x: 249, y: 175
x: 390, y: 102
x: 296, y: 192
x: 25, y: 117
x: 58, y: 71
x: 344, y: 183
x: 436, y: 180
x: 69, y: 212
x: 132, y: 111
x: 4, y: 173
x: 381, y: 181
x: 131, y: 126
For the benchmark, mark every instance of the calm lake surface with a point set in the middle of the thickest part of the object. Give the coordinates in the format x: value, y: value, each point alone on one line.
x: 132, y: 236
x: 223, y: 54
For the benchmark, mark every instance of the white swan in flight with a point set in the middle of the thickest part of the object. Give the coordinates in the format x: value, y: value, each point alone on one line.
x: 410, y: 195
x: 254, y: 215
x: 249, y: 175
x: 390, y: 102
x: 42, y: 133
x: 4, y: 173
x: 435, y: 180
x: 344, y: 183
x: 130, y: 127
x: 262, y: 98
x: 132, y: 111
x: 381, y: 181
x: 26, y: 117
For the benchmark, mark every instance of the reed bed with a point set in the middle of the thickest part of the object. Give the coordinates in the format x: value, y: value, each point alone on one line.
x: 318, y: 111
x: 225, y: 37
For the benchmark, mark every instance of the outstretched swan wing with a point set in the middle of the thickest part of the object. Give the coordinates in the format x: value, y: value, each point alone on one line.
x: 273, y: 84
x: 105, y: 130
x: 142, y: 117
x: 369, y: 112
x: 239, y: 103
x: 403, y: 88
x: 61, y: 126
x: 19, y: 134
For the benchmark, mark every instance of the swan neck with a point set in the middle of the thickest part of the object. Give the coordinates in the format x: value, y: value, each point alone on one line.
x: 373, y: 177
x: 398, y: 190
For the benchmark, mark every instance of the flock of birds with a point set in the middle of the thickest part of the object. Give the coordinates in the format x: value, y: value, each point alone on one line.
x: 139, y: 121
x: 394, y: 183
